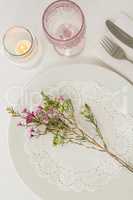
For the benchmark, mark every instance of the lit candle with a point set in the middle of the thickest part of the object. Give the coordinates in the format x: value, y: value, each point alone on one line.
x: 23, y: 46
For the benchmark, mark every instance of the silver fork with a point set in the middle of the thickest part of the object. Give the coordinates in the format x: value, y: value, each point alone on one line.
x: 114, y: 49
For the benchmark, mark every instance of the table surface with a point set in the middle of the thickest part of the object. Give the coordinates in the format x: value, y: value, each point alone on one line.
x: 28, y: 13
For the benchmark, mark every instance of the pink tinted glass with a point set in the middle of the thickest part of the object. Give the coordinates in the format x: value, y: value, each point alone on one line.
x: 64, y: 24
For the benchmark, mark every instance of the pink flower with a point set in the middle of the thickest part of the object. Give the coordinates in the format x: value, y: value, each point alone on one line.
x: 46, y: 119
x: 61, y: 98
x: 38, y: 110
x: 24, y: 110
x: 19, y: 124
x: 30, y: 117
x: 31, y: 132
x: 40, y: 107
x: 50, y: 111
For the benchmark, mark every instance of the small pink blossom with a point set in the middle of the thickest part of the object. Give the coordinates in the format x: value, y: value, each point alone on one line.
x: 61, y: 98
x: 19, y: 124
x: 50, y: 111
x: 38, y: 110
x: 31, y: 132
x: 24, y: 110
x: 46, y: 119
x: 29, y: 117
x: 40, y: 107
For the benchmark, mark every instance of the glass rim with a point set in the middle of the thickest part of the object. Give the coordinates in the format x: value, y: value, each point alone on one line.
x: 4, y: 38
x: 73, y: 37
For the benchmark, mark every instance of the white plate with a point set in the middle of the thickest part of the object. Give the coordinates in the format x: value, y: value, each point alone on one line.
x: 121, y: 187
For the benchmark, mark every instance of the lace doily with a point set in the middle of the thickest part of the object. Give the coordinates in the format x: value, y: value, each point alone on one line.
x: 76, y: 168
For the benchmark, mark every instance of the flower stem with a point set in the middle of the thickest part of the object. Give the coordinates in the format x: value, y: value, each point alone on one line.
x: 121, y: 161
x: 104, y: 148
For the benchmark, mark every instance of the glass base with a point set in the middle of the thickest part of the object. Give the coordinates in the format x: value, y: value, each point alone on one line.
x: 73, y: 51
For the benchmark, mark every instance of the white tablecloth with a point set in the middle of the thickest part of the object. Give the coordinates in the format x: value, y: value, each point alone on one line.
x: 28, y: 13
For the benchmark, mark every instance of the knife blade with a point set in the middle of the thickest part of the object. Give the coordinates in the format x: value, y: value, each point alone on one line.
x: 119, y: 33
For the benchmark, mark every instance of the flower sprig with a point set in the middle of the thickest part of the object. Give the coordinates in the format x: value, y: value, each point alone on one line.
x: 88, y: 114
x: 56, y: 116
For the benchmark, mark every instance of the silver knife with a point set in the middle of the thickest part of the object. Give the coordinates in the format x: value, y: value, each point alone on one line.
x: 120, y: 34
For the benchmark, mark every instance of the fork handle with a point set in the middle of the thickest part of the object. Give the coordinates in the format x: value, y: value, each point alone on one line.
x: 129, y: 60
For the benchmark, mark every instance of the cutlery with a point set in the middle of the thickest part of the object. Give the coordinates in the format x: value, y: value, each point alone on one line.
x: 114, y: 49
x: 119, y: 33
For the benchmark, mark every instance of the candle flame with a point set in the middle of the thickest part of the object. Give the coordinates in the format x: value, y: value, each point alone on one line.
x: 23, y: 46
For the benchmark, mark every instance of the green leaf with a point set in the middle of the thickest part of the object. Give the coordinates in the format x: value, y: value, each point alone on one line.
x: 11, y: 111
x: 57, y: 140
x: 86, y: 112
x: 61, y: 108
x: 68, y: 107
x: 44, y: 96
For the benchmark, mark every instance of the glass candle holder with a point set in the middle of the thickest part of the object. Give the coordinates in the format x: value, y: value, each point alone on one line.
x: 64, y: 24
x: 18, y: 42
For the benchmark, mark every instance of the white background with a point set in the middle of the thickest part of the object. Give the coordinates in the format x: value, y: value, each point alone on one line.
x: 28, y: 13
